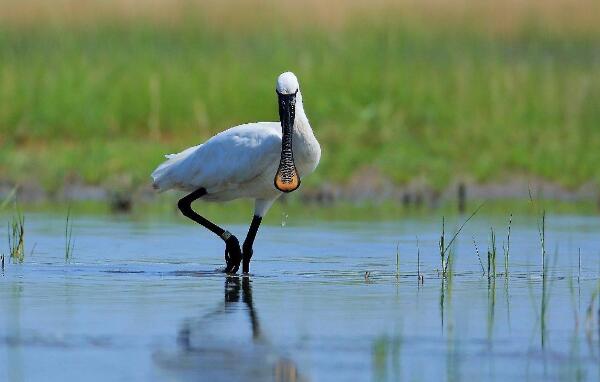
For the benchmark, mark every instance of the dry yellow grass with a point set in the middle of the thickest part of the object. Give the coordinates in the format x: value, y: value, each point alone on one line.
x: 497, y: 17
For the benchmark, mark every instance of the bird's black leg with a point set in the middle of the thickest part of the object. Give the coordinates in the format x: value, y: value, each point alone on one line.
x: 247, y: 247
x: 233, y: 254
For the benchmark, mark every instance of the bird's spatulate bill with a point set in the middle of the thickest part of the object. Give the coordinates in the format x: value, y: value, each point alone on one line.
x: 287, y: 178
x: 287, y: 183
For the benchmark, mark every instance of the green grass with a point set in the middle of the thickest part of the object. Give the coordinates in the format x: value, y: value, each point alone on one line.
x: 103, y: 102
x: 16, y: 237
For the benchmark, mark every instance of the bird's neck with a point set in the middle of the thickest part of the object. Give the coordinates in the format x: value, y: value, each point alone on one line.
x: 306, y: 147
x: 302, y: 129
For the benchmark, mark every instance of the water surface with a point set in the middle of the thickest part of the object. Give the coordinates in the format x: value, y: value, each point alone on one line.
x: 142, y: 301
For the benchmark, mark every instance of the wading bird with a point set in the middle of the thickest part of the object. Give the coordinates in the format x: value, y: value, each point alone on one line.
x: 258, y: 160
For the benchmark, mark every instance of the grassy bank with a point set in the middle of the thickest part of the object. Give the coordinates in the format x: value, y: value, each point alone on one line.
x: 101, y: 99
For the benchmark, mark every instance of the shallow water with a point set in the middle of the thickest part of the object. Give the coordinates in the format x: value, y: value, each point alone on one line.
x: 141, y: 301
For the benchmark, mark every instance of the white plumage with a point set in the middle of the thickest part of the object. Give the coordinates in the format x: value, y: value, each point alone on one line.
x: 241, y: 162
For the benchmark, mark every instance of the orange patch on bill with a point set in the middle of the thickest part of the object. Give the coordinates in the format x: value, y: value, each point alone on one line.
x: 287, y: 186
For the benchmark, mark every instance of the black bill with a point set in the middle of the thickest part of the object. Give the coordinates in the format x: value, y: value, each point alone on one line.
x: 287, y: 178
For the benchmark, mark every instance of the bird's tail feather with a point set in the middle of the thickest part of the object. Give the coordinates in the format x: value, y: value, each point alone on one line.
x: 163, y: 178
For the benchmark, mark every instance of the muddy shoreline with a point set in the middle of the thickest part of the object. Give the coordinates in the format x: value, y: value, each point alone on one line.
x: 366, y: 186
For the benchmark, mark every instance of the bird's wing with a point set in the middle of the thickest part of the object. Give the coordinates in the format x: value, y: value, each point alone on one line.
x: 230, y: 158
x: 183, y: 153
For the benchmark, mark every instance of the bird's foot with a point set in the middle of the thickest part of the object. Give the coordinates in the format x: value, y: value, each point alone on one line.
x: 247, y: 255
x: 233, y: 255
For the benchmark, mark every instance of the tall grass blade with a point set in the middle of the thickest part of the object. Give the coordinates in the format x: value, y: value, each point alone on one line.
x: 420, y: 277
x: 69, y: 245
x: 543, y: 242
x: 507, y: 248
x: 492, y: 250
x: 397, y: 261
x: 444, y: 250
x: 478, y: 257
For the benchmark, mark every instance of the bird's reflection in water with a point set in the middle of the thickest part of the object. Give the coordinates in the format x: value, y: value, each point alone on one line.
x: 218, y: 347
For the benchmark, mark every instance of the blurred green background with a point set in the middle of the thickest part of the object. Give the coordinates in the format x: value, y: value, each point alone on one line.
x: 95, y: 92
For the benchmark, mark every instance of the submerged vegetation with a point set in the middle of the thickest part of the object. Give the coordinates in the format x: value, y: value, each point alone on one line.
x: 548, y: 277
x: 99, y: 93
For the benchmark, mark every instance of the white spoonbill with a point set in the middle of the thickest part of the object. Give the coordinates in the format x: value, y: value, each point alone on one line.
x: 257, y: 160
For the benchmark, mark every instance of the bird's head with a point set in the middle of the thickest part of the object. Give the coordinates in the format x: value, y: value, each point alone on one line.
x: 287, y: 178
x: 287, y: 84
